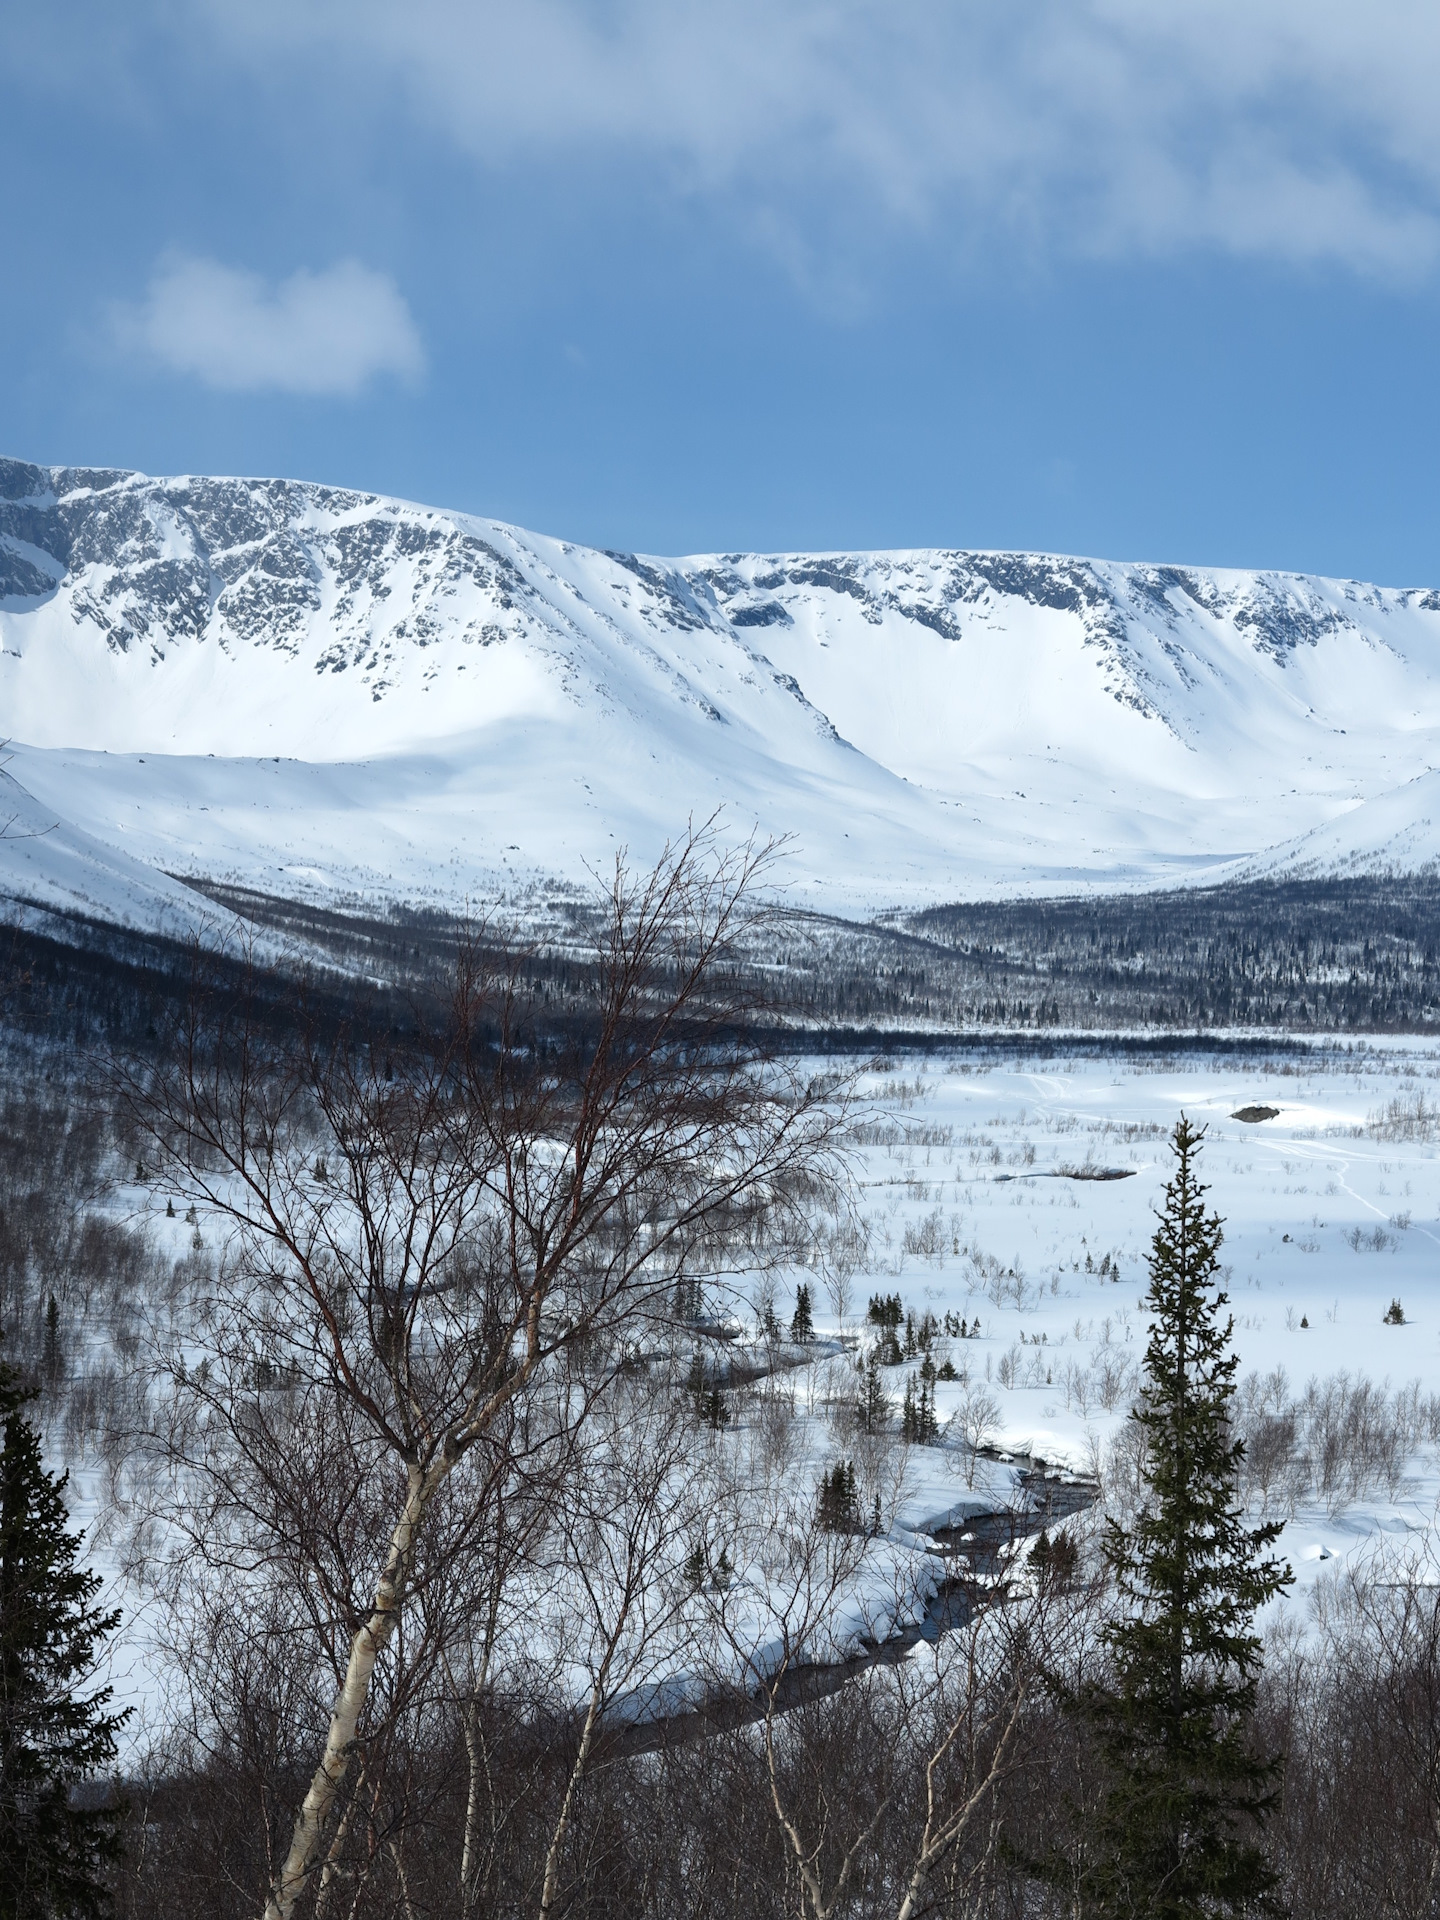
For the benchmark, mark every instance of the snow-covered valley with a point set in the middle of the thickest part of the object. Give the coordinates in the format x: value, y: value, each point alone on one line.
x: 1014, y: 1198
x: 317, y: 692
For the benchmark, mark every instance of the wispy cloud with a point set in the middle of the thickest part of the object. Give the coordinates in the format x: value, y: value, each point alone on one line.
x: 1303, y: 130
x: 330, y: 332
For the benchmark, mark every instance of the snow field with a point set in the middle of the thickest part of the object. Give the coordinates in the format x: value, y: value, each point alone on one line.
x: 977, y: 1198
x: 980, y: 1200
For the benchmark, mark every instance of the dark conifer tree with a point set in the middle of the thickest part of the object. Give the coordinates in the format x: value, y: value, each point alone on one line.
x: 907, y: 1415
x: 1053, y: 1562
x: 919, y: 1426
x: 802, y: 1324
x: 715, y: 1409
x: 872, y: 1405
x: 1175, y: 1837
x: 54, y: 1733
x: 695, y: 1383
x: 52, y: 1360
x: 839, y: 1505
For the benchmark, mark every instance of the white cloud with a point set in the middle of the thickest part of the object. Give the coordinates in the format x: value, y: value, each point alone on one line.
x: 1303, y: 130
x: 330, y: 332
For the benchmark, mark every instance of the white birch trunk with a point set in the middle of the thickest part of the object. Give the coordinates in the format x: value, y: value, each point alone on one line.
x: 562, y: 1825
x: 307, y: 1841
x: 936, y: 1841
x: 472, y: 1809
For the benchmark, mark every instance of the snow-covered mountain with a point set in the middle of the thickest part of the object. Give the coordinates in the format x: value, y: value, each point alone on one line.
x: 301, y: 688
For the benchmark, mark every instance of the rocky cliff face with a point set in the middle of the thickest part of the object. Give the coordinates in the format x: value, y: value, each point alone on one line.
x: 150, y: 563
x: 1122, y: 613
x: 147, y: 565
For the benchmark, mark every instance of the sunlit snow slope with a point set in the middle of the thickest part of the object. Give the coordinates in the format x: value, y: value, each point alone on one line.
x: 299, y: 688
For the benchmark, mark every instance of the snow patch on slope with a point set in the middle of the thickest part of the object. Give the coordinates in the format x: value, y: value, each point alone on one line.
x: 1396, y: 832
x: 48, y: 869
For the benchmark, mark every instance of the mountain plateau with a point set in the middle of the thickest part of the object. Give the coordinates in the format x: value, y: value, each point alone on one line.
x: 315, y: 692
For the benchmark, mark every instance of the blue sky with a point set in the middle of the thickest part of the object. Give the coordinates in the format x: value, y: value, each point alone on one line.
x: 1097, y: 276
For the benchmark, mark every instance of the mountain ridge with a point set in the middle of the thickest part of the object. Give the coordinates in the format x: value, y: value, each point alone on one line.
x: 457, y: 706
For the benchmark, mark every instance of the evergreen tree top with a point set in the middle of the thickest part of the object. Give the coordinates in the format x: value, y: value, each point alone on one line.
x: 1191, y: 1564
x: 52, y: 1735
x: 1174, y: 1838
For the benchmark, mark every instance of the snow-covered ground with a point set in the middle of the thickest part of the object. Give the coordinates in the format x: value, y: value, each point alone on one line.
x: 974, y: 1210
x: 969, y: 1205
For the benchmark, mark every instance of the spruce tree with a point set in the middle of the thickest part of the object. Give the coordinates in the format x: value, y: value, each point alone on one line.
x: 1175, y: 1838
x: 928, y: 1421
x: 1053, y: 1562
x: 52, y: 1359
x: 907, y: 1415
x: 695, y: 1383
x: 53, y: 1734
x: 872, y: 1406
x: 839, y: 1504
x: 802, y: 1324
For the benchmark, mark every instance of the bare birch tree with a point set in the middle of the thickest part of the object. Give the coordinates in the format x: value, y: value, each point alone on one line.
x: 1379, y: 1629
x: 627, y: 1520
x: 427, y: 1241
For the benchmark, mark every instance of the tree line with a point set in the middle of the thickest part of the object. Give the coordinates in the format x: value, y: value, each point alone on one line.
x: 1358, y: 955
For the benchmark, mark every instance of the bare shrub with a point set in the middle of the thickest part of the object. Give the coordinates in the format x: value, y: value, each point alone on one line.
x: 1344, y: 1439
x: 1116, y: 1378
x: 1406, y: 1116
x: 977, y: 1421
x: 926, y: 1240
